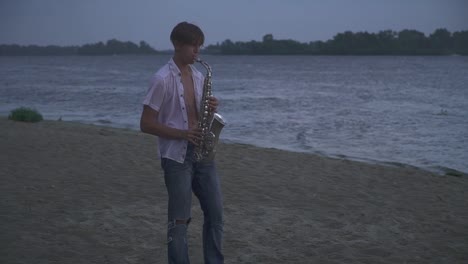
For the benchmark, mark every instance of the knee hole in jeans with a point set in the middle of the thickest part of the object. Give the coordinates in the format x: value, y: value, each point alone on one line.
x: 174, y: 224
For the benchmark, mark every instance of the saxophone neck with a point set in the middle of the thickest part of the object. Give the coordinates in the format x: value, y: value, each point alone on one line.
x: 206, y: 66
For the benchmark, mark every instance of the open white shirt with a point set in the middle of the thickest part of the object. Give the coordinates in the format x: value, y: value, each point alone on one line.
x: 166, y: 95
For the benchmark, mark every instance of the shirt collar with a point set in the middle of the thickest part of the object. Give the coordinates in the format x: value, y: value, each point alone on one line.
x: 176, y: 71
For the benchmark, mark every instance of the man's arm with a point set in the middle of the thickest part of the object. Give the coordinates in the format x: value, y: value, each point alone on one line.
x: 150, y: 125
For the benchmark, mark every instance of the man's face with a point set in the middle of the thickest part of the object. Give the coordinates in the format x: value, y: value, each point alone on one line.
x: 188, y: 52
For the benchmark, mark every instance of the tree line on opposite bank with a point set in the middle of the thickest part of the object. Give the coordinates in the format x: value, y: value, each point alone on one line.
x: 111, y: 47
x: 387, y: 42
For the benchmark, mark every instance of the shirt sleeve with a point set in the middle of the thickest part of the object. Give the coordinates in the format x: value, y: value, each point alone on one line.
x: 155, y: 95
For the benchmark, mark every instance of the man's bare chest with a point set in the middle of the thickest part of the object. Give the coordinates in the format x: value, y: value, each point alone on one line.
x: 189, y: 89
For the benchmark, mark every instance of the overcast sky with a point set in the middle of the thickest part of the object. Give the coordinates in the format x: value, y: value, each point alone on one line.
x: 77, y: 22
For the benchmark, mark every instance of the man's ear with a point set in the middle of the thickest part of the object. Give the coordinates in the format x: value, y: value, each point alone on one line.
x: 177, y: 45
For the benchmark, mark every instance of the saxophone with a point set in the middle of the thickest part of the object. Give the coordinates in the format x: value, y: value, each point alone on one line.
x: 209, y: 123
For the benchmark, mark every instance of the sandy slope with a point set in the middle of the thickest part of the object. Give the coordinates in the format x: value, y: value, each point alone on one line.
x: 73, y: 193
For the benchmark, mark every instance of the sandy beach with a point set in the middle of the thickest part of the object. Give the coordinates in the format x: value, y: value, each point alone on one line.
x: 75, y: 193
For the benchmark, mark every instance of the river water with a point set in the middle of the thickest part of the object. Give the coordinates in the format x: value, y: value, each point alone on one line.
x: 392, y: 109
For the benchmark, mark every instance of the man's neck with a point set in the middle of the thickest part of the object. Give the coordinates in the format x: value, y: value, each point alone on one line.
x: 183, y: 68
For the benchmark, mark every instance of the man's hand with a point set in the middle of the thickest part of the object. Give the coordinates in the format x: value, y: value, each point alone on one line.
x: 213, y: 103
x: 193, y: 135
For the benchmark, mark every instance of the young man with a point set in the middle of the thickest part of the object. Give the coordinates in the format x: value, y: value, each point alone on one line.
x: 170, y: 112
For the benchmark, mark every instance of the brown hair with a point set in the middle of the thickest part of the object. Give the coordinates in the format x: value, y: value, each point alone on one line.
x: 186, y: 33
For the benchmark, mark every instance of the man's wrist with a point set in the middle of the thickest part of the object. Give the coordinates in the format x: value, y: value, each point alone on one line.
x: 182, y: 134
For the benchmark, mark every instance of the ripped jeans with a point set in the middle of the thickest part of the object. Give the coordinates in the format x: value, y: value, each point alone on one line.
x: 181, y: 180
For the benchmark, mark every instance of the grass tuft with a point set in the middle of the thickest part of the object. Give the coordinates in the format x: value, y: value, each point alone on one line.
x: 25, y: 114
